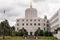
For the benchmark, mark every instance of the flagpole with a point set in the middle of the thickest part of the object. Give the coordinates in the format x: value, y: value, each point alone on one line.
x: 4, y: 26
x: 30, y: 3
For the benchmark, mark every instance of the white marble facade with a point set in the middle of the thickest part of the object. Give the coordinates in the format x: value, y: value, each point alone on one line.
x: 55, y: 21
x: 31, y: 22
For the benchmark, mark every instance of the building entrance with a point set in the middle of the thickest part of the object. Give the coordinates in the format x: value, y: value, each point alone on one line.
x: 31, y: 33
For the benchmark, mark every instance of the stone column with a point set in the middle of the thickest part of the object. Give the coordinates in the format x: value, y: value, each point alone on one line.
x: 28, y: 33
x: 33, y: 33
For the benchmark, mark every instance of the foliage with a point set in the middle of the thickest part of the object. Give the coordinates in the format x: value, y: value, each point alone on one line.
x: 22, y: 32
x: 48, y: 33
x: 40, y: 32
x: 12, y: 31
x: 6, y: 28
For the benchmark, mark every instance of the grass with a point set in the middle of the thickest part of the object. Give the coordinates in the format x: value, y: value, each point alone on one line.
x: 12, y: 38
x: 47, y: 38
x: 21, y: 38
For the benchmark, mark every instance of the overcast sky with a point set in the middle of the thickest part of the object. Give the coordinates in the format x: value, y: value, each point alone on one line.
x: 16, y: 8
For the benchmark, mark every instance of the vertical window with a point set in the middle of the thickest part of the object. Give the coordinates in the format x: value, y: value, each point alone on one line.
x: 17, y: 28
x: 17, y: 20
x: 27, y: 24
x: 31, y: 24
x: 17, y: 24
x: 47, y: 25
x: 31, y: 20
x: 39, y: 20
x: 35, y: 24
x: 38, y: 24
x: 47, y: 28
x: 47, y: 21
x: 27, y: 20
x: 23, y: 24
x: 34, y: 19
x: 44, y: 24
x: 22, y: 19
x: 44, y: 28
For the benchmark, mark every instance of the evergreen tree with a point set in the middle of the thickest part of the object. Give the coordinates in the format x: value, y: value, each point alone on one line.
x: 5, y: 27
x: 39, y: 32
x: 22, y: 32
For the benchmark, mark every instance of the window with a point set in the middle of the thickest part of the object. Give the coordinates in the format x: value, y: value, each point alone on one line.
x: 23, y: 24
x: 27, y: 20
x: 27, y: 24
x: 31, y: 24
x: 23, y: 20
x: 17, y: 24
x: 47, y: 28
x: 47, y: 21
x: 44, y: 24
x: 17, y: 28
x: 44, y: 28
x: 34, y: 19
x: 39, y: 24
x: 31, y: 20
x: 17, y: 20
x: 39, y: 20
x: 35, y: 24
x: 47, y: 25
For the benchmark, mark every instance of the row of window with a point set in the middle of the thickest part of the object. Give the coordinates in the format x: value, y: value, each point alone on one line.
x: 55, y: 21
x: 30, y: 24
x: 31, y: 20
x: 54, y: 16
x: 27, y: 20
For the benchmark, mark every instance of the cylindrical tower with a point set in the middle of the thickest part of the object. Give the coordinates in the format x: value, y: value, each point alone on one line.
x: 30, y: 12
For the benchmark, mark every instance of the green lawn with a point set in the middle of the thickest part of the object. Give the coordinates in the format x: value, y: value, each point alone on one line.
x: 11, y: 38
x: 21, y: 38
x: 47, y: 38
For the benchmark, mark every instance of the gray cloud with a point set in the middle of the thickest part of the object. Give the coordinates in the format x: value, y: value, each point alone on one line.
x: 16, y: 8
x: 54, y: 1
x: 22, y: 5
x: 49, y: 1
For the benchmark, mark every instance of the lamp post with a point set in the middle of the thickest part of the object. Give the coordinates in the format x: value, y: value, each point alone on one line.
x: 4, y: 28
